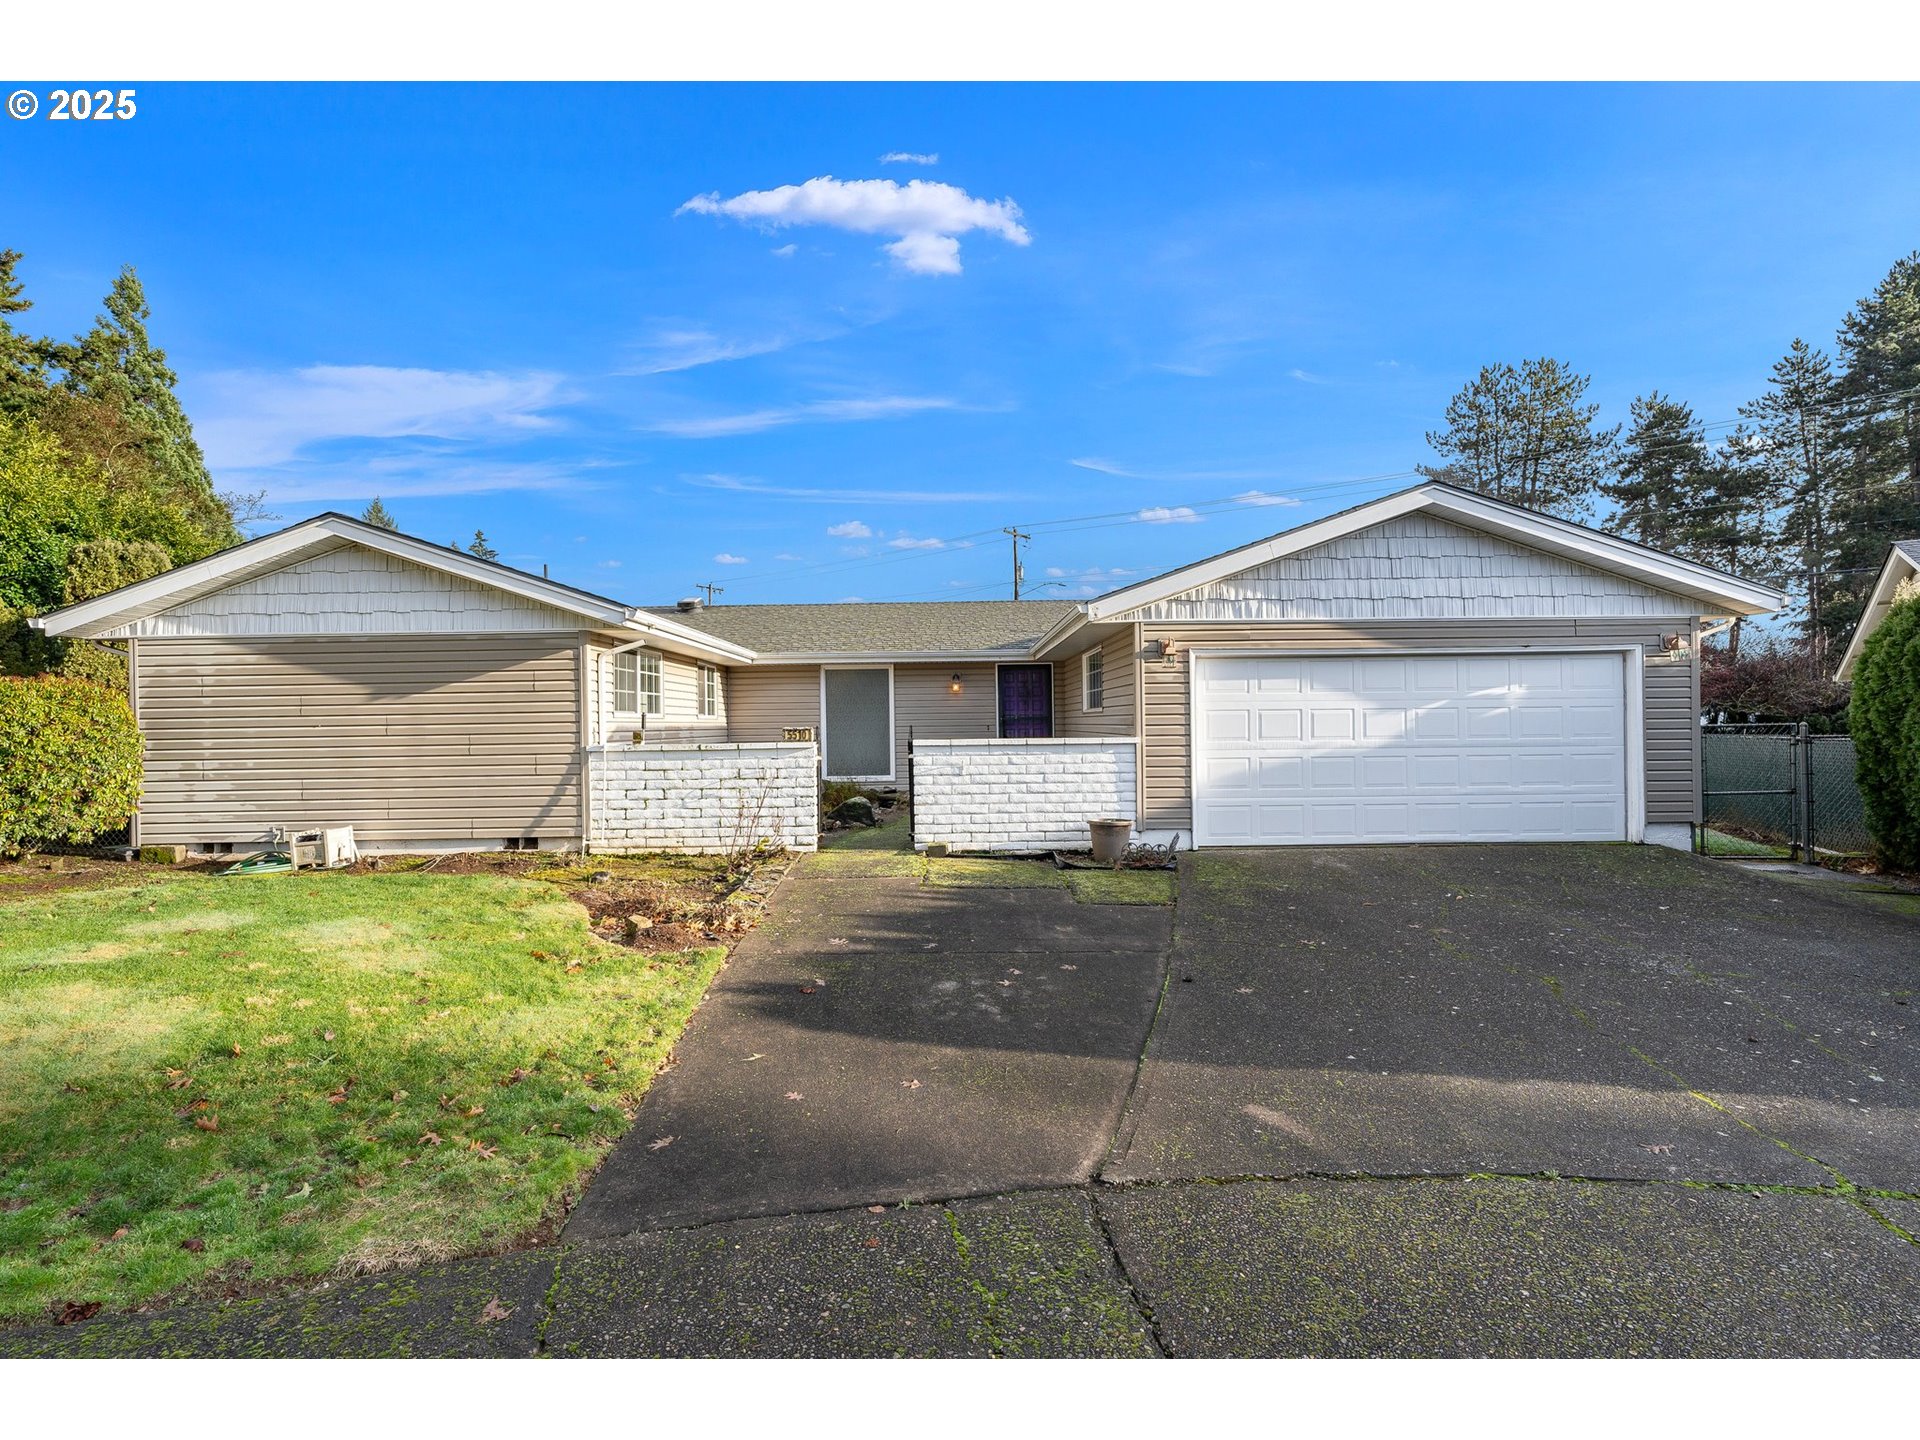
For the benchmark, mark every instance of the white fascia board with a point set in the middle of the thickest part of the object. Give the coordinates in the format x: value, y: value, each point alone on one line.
x: 285, y: 547
x: 1477, y: 511
x: 663, y: 634
x: 892, y: 657
x: 1897, y: 568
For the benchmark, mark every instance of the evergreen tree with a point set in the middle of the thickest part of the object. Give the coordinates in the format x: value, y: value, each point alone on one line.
x: 481, y: 548
x: 1735, y: 526
x: 378, y: 514
x: 1796, y: 443
x: 1879, y: 420
x: 22, y: 358
x: 1525, y: 436
x: 116, y: 362
x: 1664, y: 476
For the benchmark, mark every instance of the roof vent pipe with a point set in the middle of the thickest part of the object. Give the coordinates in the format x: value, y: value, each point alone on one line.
x: 692, y: 602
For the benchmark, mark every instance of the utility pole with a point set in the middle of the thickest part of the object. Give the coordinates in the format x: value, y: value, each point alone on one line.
x: 1018, y: 573
x: 712, y: 590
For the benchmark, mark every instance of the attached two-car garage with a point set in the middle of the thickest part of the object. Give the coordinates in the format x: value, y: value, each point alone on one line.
x: 1372, y: 748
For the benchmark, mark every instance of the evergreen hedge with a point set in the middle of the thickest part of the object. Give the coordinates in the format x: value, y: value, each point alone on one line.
x: 69, y: 761
x: 1885, y: 717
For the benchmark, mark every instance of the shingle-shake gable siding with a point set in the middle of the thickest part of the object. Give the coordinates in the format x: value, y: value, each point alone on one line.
x: 936, y: 627
x: 1418, y: 567
x: 351, y: 591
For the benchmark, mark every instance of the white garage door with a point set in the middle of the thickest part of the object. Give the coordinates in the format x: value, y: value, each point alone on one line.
x: 1351, y: 749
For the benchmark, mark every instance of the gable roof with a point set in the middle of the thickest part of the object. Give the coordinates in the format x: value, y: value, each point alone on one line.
x: 1902, y: 562
x: 1717, y: 591
x: 937, y: 629
x: 328, y: 532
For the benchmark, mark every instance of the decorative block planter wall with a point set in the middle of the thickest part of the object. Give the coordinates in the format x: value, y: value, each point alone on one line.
x: 1020, y: 795
x: 703, y: 799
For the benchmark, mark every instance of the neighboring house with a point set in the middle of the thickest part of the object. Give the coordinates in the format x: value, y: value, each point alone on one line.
x: 1432, y: 666
x: 1903, y: 564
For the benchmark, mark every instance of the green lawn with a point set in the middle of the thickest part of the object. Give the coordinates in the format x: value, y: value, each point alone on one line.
x: 208, y: 1081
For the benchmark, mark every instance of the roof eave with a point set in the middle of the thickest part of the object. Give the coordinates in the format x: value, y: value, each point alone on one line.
x: 1876, y: 607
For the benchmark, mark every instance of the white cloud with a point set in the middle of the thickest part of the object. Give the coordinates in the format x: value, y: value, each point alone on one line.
x: 1169, y: 515
x: 787, y: 555
x: 685, y: 349
x: 609, y: 564
x: 1306, y: 377
x: 260, y: 418
x: 1126, y: 472
x: 399, y: 477
x: 907, y: 542
x: 784, y: 251
x: 909, y: 157
x: 1261, y: 497
x: 1094, y: 572
x: 877, y: 407
x: 926, y: 217
x: 723, y: 558
x: 850, y: 530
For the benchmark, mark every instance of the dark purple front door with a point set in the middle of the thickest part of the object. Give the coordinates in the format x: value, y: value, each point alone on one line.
x: 1026, y: 702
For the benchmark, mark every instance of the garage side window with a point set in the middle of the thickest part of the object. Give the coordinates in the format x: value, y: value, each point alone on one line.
x: 1093, y: 690
x: 636, y: 683
x: 709, y: 690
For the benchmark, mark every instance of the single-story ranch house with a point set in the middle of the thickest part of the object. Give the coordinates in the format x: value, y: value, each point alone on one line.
x: 1432, y: 666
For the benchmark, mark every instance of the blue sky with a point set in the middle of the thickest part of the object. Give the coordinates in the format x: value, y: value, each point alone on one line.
x: 495, y: 307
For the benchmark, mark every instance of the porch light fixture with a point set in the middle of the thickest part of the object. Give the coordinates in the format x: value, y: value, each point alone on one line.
x: 953, y: 685
x: 1675, y: 645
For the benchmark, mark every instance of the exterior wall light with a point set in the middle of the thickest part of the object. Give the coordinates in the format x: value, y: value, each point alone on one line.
x: 953, y: 685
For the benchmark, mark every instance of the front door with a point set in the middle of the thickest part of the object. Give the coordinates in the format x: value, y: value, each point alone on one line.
x: 1026, y: 702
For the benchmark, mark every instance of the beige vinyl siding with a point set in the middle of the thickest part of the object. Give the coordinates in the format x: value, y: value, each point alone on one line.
x: 679, y: 721
x: 1116, y: 716
x: 350, y: 590
x: 924, y: 707
x: 449, y: 738
x: 1671, y: 704
x: 764, y: 700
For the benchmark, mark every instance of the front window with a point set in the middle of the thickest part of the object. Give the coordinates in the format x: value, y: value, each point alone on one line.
x: 1095, y: 689
x: 709, y: 690
x: 636, y: 683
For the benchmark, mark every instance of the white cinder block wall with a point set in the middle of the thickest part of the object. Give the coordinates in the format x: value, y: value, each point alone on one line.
x: 1020, y: 794
x: 703, y: 799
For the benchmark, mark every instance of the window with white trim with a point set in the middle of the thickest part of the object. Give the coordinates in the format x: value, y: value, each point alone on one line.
x: 636, y: 683
x: 1093, y: 677
x: 709, y: 689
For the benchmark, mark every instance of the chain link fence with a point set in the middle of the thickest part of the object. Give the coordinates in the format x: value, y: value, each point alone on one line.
x: 1776, y: 790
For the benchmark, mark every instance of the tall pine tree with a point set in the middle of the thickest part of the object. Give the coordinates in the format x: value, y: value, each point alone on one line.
x: 1663, y: 474
x: 1795, y: 441
x: 378, y: 514
x: 116, y: 362
x: 479, y: 546
x: 1879, y: 419
x: 1525, y: 435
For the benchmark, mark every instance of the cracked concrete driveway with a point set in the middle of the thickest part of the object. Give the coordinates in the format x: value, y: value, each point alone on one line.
x: 1616, y: 1012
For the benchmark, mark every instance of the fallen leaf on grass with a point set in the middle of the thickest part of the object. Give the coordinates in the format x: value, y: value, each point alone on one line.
x: 180, y: 1080
x: 326, y: 1035
x: 119, y: 1234
x: 516, y: 1077
x: 75, y: 1311
x: 236, y: 1047
x: 206, y: 1122
x: 493, y: 1311
x: 430, y: 1138
x: 485, y: 1152
x: 305, y: 1190
x: 195, y: 1246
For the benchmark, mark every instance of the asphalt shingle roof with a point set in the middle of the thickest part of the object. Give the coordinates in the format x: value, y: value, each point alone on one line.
x: 1909, y: 548
x: 879, y: 628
